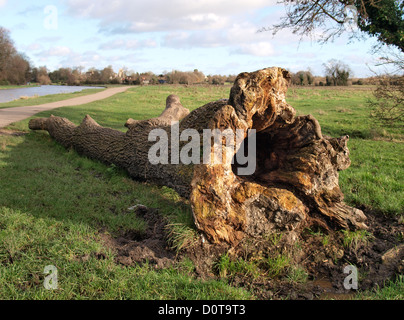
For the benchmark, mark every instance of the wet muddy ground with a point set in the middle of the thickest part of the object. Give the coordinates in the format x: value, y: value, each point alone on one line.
x: 378, y: 257
x: 149, y: 246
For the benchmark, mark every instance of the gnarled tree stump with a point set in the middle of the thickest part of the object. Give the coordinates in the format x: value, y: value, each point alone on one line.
x: 295, y: 182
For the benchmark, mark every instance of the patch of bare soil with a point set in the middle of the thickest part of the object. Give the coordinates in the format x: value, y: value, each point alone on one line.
x: 383, y: 257
x: 150, y: 246
x: 378, y: 258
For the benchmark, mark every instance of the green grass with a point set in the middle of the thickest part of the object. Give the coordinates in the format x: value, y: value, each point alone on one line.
x: 275, y: 266
x: 47, y: 99
x: 392, y: 290
x: 227, y: 267
x: 376, y: 175
x: 54, y: 203
x: 18, y: 87
x: 341, y: 111
x: 29, y: 243
x: 354, y: 239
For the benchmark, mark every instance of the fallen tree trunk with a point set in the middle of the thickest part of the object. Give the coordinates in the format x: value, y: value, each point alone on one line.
x: 295, y: 181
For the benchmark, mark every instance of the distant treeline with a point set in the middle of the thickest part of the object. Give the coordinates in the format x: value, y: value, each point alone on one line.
x: 14, y: 66
x: 76, y: 76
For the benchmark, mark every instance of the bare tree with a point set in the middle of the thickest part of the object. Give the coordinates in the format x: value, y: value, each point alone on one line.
x: 337, y: 73
x: 388, y: 103
x: 17, y: 71
x: 42, y: 76
x: 107, y: 74
x: 14, y: 66
x: 301, y: 78
x: 382, y: 19
x: 7, y: 50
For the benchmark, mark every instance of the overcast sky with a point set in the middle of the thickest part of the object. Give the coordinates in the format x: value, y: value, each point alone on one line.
x: 214, y: 36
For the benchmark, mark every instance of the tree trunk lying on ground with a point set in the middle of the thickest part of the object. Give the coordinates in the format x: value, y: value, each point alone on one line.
x: 294, y: 184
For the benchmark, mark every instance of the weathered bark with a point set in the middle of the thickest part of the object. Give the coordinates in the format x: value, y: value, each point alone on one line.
x: 174, y: 111
x: 295, y: 183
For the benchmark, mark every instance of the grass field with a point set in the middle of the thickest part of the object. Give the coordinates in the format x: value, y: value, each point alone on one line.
x: 55, y: 204
x: 2, y: 87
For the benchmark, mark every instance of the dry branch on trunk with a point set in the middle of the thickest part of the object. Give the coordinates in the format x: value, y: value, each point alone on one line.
x: 295, y: 182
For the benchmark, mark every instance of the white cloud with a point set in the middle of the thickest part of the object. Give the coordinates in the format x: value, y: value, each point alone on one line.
x: 194, y: 39
x: 35, y: 46
x: 86, y: 59
x: 240, y: 38
x: 259, y: 49
x: 49, y: 39
x: 59, y: 51
x: 20, y: 26
x: 181, y: 24
x: 203, y: 17
x: 128, y: 44
x: 121, y: 16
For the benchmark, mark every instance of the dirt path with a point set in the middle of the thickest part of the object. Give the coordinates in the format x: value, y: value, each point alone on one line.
x: 10, y: 115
